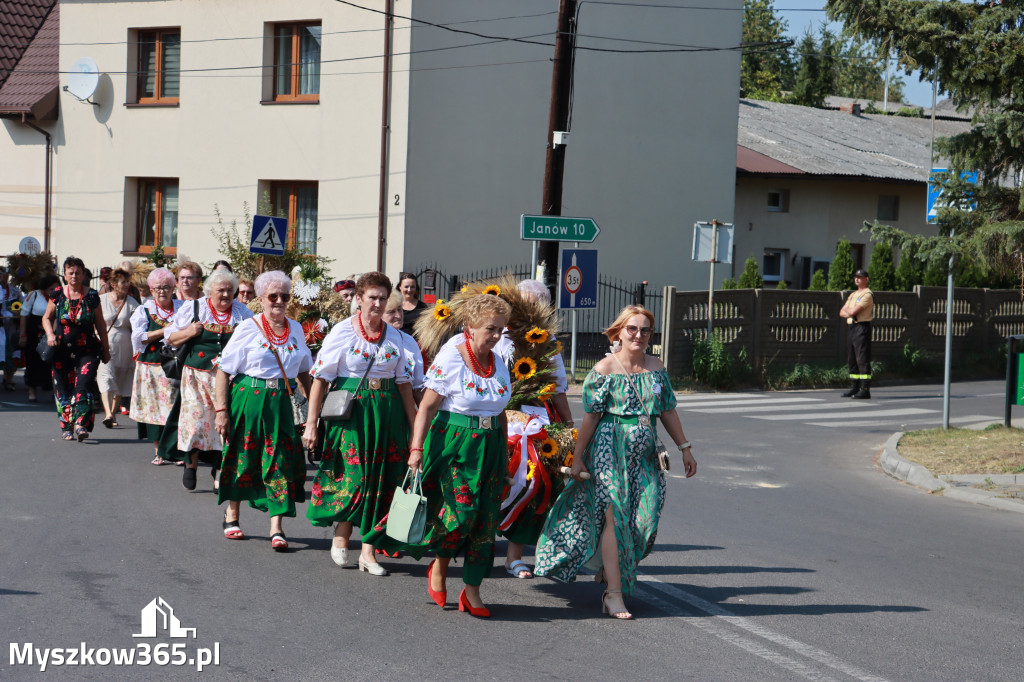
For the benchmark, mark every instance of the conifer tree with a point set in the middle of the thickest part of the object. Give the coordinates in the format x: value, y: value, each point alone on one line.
x: 880, y: 268
x: 818, y: 281
x: 840, y: 273
x: 750, y: 278
x: 910, y: 271
x: 764, y: 73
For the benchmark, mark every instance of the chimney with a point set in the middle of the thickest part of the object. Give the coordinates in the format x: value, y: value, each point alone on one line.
x: 851, y: 108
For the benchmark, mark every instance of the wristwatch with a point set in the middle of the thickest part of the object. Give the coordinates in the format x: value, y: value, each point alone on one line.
x: 683, y: 446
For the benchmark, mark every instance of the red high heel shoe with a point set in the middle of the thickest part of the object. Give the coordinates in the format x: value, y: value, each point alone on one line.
x: 464, y: 605
x: 439, y: 597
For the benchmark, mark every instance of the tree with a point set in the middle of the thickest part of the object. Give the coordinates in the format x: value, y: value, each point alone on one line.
x: 880, y: 269
x: 972, y: 51
x: 765, y: 72
x: 840, y: 273
x: 782, y: 284
x: 815, y: 79
x: 910, y: 271
x: 847, y: 66
x: 818, y: 281
x: 750, y: 278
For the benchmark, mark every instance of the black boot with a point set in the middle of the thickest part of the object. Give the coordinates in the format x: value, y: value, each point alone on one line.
x: 854, y: 387
x: 865, y: 391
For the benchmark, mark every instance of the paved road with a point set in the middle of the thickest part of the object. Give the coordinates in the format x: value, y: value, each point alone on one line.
x: 789, y: 557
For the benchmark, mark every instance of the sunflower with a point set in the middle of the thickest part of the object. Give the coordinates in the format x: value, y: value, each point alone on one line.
x: 537, y: 335
x: 492, y: 289
x: 465, y: 288
x: 548, y: 448
x: 524, y: 368
x: 568, y: 460
x: 16, y: 307
x: 442, y: 312
x: 547, y: 392
x: 575, y: 434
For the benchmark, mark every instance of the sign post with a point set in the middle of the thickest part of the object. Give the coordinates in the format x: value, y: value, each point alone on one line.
x: 577, y: 288
x: 555, y: 228
x: 711, y: 248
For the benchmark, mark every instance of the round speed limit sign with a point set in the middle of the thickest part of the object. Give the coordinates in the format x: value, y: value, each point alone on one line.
x: 573, y: 279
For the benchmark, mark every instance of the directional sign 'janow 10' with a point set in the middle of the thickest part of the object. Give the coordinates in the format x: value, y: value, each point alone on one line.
x: 555, y: 228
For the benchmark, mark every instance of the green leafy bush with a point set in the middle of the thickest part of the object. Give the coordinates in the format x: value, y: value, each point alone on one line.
x: 712, y: 362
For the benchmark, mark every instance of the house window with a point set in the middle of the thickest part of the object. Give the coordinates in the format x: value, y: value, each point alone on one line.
x: 888, y: 207
x: 297, y: 62
x: 778, y: 200
x: 773, y: 265
x: 157, y: 215
x: 158, y: 68
x: 297, y: 201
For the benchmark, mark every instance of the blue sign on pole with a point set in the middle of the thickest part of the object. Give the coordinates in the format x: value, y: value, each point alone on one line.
x: 269, y: 235
x: 577, y: 289
x: 935, y: 200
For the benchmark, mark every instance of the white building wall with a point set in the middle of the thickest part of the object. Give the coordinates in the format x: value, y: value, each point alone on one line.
x: 22, y: 183
x: 652, y: 147
x: 220, y: 141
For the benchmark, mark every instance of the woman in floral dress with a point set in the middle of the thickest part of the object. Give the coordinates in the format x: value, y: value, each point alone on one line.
x: 256, y: 376
x: 153, y: 394
x: 459, y: 441
x: 207, y: 324
x: 75, y: 328
x: 364, y: 456
x: 115, y: 377
x: 609, y: 522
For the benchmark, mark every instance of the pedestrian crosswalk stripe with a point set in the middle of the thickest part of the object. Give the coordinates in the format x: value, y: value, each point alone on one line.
x: 844, y: 415
x: 718, y: 396
x: 771, y: 408
x: 767, y: 401
x: 969, y: 419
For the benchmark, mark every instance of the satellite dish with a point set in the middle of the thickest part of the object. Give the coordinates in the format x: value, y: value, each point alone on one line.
x: 83, y: 79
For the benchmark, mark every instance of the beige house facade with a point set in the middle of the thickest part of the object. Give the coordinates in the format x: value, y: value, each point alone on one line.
x: 207, y: 106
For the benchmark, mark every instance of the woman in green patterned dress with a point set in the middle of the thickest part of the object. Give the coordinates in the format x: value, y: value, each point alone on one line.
x: 256, y: 372
x: 609, y: 521
x: 459, y: 440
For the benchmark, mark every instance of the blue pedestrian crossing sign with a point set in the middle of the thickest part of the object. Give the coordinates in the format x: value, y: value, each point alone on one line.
x: 269, y: 235
x: 577, y: 288
x: 935, y: 198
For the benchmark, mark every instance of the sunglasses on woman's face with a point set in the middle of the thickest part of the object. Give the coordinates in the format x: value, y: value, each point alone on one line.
x: 633, y: 330
x: 284, y: 298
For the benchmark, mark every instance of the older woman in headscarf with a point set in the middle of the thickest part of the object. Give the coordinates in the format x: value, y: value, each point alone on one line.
x: 256, y: 375
x: 364, y: 456
x: 114, y: 378
x: 153, y: 394
x: 206, y: 325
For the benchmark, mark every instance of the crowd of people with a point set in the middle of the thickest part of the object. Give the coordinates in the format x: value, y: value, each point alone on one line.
x: 207, y: 379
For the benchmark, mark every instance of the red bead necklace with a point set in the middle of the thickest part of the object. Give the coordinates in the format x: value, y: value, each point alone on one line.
x: 362, y: 330
x: 219, y: 318
x: 276, y: 339
x: 74, y: 306
x: 160, y: 310
x: 475, y: 364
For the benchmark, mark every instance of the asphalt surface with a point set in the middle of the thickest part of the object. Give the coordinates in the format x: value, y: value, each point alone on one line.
x: 790, y: 556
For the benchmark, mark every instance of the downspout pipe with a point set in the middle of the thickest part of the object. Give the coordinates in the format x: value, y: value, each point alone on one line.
x: 47, y: 184
x: 385, y: 129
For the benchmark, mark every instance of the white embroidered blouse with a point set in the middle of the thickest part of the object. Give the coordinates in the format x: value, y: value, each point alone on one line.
x: 183, y: 317
x: 346, y: 354
x: 464, y: 392
x: 248, y: 352
x: 140, y: 325
x: 413, y: 349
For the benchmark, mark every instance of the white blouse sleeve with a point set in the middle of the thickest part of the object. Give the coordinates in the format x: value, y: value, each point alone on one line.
x: 305, y: 355
x: 140, y: 329
x: 233, y: 359
x: 329, y: 360
x: 442, y: 377
x: 558, y: 372
x: 240, y: 311
x: 412, y: 363
x: 181, y: 319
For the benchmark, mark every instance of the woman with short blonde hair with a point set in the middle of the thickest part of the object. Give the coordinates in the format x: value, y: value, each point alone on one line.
x: 114, y: 378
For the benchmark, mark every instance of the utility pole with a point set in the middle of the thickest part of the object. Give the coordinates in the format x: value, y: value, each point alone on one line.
x: 558, y: 121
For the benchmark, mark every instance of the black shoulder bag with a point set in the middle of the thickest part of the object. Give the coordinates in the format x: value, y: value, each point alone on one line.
x: 172, y: 360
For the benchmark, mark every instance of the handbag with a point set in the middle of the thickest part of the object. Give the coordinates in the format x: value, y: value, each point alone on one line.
x: 172, y: 360
x: 660, y: 451
x: 338, y: 406
x: 45, y: 350
x: 407, y: 518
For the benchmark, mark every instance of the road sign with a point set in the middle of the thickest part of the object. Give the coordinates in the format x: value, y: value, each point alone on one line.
x: 707, y: 246
x: 578, y: 289
x: 935, y: 200
x: 556, y: 228
x: 269, y: 235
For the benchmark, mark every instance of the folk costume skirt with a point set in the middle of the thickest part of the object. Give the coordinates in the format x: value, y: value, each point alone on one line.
x: 364, y: 460
x: 464, y: 469
x: 153, y: 396
x: 190, y: 423
x: 624, y: 476
x: 262, y: 460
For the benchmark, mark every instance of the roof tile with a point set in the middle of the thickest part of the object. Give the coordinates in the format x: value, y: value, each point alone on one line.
x: 29, y: 65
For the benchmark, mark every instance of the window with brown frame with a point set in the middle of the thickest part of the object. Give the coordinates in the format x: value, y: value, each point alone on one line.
x: 157, y: 215
x: 297, y: 62
x: 297, y: 201
x: 158, y: 71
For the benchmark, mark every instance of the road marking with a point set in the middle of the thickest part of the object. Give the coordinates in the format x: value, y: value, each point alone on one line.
x: 699, y: 407
x: 773, y: 408
x: 845, y: 415
x: 970, y: 419
x: 746, y: 643
x: 718, y: 396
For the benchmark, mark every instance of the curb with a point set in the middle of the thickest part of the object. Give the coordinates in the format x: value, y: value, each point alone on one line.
x: 917, y: 475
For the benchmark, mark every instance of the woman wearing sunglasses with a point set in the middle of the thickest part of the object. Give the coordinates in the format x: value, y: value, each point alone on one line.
x: 611, y: 518
x: 206, y: 325
x: 268, y: 359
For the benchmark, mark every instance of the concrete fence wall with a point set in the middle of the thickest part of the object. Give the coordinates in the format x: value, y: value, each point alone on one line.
x: 804, y: 326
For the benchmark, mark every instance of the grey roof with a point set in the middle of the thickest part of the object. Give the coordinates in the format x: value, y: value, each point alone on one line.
x: 836, y: 143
